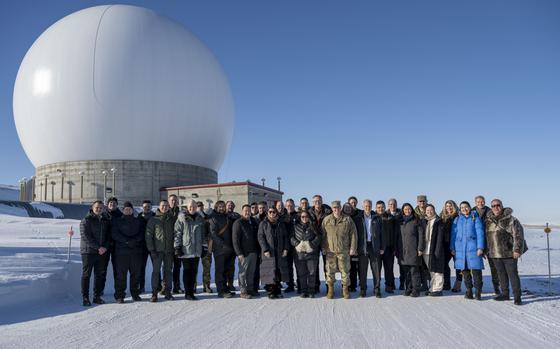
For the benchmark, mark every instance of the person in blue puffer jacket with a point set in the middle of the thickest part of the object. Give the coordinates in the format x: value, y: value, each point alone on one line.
x: 467, y: 245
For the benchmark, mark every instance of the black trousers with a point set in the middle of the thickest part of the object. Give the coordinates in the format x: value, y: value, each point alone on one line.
x: 230, y: 270
x: 495, y: 275
x: 507, y: 272
x: 190, y: 270
x: 291, y: 262
x: 98, y: 264
x: 306, y: 270
x: 108, y: 258
x: 372, y: 260
x: 447, y: 270
x: 425, y: 276
x: 412, y: 277
x: 276, y: 287
x: 127, y: 264
x: 402, y: 275
x: 142, y: 276
x: 162, y: 261
x: 223, y: 265
x: 354, y: 271
x: 388, y: 261
x: 472, y: 277
x: 176, y: 273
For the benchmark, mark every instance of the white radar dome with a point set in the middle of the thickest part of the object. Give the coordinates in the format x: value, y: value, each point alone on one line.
x: 122, y: 83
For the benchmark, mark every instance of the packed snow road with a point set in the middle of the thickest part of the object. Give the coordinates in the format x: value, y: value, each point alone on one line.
x: 43, y: 309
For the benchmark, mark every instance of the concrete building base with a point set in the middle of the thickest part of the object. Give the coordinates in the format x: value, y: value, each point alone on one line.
x: 132, y: 180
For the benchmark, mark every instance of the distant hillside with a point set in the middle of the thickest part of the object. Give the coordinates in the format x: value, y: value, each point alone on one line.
x: 9, y: 192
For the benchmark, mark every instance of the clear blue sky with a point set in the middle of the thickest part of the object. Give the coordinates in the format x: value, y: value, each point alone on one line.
x: 375, y: 99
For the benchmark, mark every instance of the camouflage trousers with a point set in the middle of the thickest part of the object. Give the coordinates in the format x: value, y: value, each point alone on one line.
x: 338, y: 262
x: 206, y: 264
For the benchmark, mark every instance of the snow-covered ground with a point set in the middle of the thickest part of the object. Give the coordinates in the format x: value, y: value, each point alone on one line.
x: 40, y: 307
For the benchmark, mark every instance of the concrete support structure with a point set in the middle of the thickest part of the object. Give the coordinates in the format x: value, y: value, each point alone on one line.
x: 133, y: 180
x: 239, y: 192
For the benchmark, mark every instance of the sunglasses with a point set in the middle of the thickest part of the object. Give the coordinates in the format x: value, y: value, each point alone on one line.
x: 493, y: 206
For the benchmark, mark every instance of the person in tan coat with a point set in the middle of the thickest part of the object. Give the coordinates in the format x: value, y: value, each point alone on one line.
x: 339, y: 243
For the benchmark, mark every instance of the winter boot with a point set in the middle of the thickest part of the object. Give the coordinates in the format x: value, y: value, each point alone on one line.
x: 497, y: 290
x: 502, y: 297
x: 330, y: 290
x: 154, y: 297
x: 207, y: 289
x: 136, y: 298
x: 245, y: 295
x: 120, y: 301
x: 377, y: 293
x: 98, y: 300
x: 362, y: 293
x: 86, y: 302
x: 169, y: 296
x: 457, y: 287
x: 469, y: 294
x: 517, y: 300
x: 477, y: 294
x: 345, y: 292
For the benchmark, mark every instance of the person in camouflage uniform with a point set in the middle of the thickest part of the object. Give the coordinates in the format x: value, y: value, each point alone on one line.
x: 339, y: 243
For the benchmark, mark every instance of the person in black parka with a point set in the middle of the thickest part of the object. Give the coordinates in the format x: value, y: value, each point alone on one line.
x: 95, y: 240
x: 220, y: 227
x: 128, y: 234
x: 410, y: 242
x: 448, y: 213
x: 274, y: 241
x: 307, y: 243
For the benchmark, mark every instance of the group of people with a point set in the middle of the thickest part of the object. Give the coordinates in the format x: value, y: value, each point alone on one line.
x: 268, y: 242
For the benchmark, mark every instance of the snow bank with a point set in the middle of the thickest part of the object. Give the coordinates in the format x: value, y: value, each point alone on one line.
x: 13, y: 210
x: 46, y: 208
